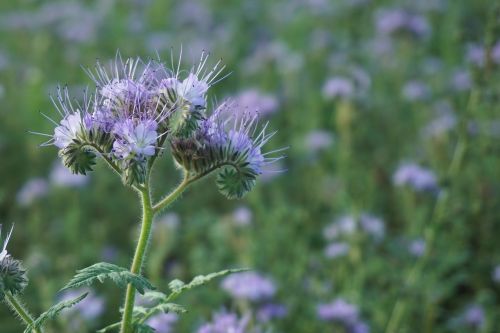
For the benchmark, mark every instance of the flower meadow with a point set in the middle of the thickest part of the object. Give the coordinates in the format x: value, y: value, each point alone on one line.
x: 249, y: 167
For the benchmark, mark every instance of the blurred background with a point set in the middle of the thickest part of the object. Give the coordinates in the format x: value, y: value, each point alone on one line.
x: 386, y: 217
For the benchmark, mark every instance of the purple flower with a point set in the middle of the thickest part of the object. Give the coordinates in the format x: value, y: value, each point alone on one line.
x: 338, y: 87
x: 225, y: 322
x: 242, y: 216
x: 372, y: 225
x: 335, y: 250
x: 495, y: 53
x: 89, y: 309
x: 69, y: 129
x: 163, y: 322
x: 415, y: 176
x: 474, y: 316
x: 170, y: 220
x: 344, y: 225
x: 33, y: 189
x: 318, y: 140
x: 476, y: 54
x: 415, y: 91
x: 270, y: 311
x: 135, y: 140
x: 249, y: 285
x: 391, y: 21
x: 257, y: 102
x: 461, y: 80
x: 496, y: 274
x: 61, y: 176
x: 338, y: 310
x: 417, y: 247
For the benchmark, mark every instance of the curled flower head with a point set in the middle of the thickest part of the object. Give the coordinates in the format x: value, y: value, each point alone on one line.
x: 12, y: 274
x: 139, y: 106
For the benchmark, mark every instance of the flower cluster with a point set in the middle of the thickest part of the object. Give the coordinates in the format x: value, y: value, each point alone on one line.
x: 341, y: 312
x: 12, y: 274
x: 138, y: 107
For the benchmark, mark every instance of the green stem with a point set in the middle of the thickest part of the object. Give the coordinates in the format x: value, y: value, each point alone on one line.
x: 163, y: 203
x: 149, y: 211
x: 140, y: 251
x: 18, y: 308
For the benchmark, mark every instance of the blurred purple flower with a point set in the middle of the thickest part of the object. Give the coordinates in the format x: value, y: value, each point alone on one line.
x: 225, y: 322
x: 372, y: 225
x: 338, y: 310
x: 338, y: 87
x: 476, y: 54
x: 163, y: 322
x: 415, y: 176
x: 249, y: 285
x: 344, y: 225
x: 474, y: 316
x: 109, y: 253
x: 170, y: 220
x: 242, y: 216
x: 61, y: 176
x: 32, y: 190
x: 417, y: 247
x: 254, y: 101
x: 496, y: 274
x: 270, y: 311
x: 461, y: 80
x: 336, y: 249
x: 392, y: 21
x: 415, y: 91
x: 318, y: 140
x: 89, y: 309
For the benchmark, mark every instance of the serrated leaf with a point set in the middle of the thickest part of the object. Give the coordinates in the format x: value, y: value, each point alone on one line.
x: 154, y: 296
x: 102, y: 271
x: 176, y: 284
x: 170, y: 307
x: 53, y: 312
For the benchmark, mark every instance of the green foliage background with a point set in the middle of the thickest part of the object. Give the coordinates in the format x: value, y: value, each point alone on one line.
x: 70, y: 228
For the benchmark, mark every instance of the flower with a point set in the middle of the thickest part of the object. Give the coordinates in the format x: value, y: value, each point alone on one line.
x: 89, y: 309
x: 334, y: 250
x: 474, y: 316
x: 3, y: 253
x: 242, y: 216
x: 415, y: 91
x: 338, y: 87
x: 415, y: 176
x: 135, y: 141
x: 496, y: 274
x: 257, y: 102
x: 344, y: 313
x: 71, y: 127
x: 32, y: 190
x: 269, y: 311
x: 13, y: 277
x: 249, y: 285
x: 61, y: 176
x: 163, y: 322
x: 318, y: 140
x: 225, y: 322
x: 417, y: 247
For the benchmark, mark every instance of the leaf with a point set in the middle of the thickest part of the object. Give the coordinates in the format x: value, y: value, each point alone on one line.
x: 143, y: 328
x: 102, y: 271
x: 170, y: 307
x: 155, y: 296
x: 178, y: 286
x: 53, y: 312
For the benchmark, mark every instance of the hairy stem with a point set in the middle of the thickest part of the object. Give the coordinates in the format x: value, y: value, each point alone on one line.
x: 20, y: 310
x: 170, y: 198
x: 148, y: 211
x: 140, y: 251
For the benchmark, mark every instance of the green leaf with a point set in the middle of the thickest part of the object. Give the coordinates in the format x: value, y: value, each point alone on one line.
x: 102, y: 271
x: 178, y: 286
x: 53, y: 312
x: 143, y: 328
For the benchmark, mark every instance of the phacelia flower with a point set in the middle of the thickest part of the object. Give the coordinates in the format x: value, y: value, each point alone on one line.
x: 13, y: 278
x: 270, y: 311
x: 336, y: 249
x: 415, y: 176
x: 32, y: 190
x: 249, y: 285
x: 343, y: 313
x: 224, y: 322
x: 163, y: 322
x: 137, y: 107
